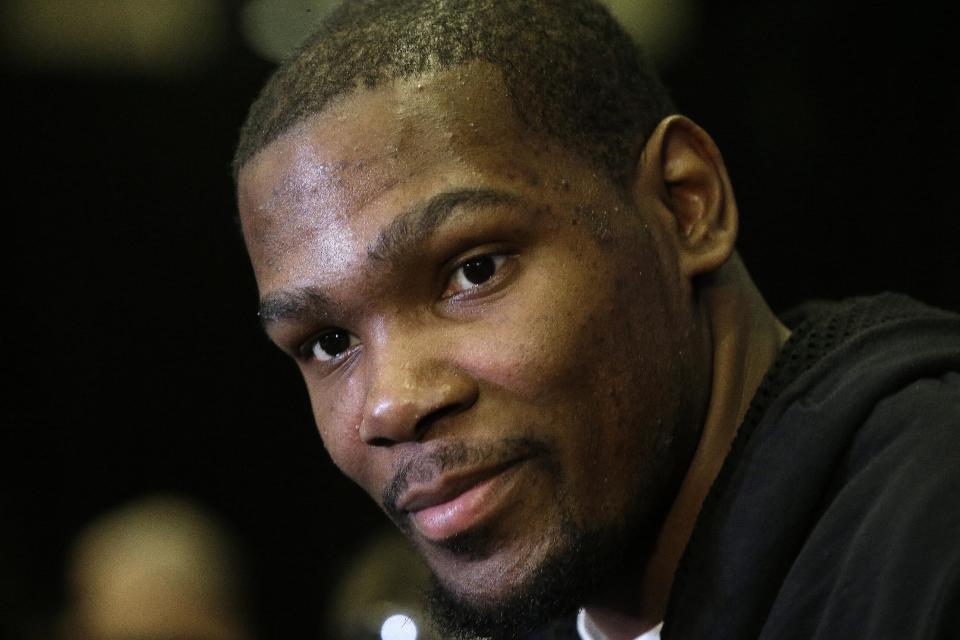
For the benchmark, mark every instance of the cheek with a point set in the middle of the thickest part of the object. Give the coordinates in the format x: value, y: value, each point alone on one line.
x: 546, y: 337
x: 520, y: 350
x: 338, y: 411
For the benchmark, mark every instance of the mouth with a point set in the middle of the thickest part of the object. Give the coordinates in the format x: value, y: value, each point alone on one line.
x: 458, y: 501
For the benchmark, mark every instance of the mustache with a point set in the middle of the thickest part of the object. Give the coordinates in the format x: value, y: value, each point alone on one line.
x: 429, y: 465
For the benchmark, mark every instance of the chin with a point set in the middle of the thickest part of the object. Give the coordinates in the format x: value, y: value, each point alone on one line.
x: 510, y: 610
x: 509, y: 593
x: 478, y: 570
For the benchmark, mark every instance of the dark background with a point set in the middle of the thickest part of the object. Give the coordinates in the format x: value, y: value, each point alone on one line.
x: 133, y: 358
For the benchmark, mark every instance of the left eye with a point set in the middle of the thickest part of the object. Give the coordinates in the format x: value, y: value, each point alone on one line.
x: 474, y: 272
x: 331, y: 344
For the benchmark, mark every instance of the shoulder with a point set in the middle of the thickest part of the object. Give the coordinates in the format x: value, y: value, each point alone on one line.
x: 836, y: 512
x: 882, y: 558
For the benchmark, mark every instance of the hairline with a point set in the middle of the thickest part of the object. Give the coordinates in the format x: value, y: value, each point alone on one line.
x: 359, y: 86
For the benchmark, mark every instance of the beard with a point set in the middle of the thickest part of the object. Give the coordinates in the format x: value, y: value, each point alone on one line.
x: 583, y: 562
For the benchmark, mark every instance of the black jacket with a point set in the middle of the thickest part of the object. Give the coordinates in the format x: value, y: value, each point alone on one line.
x: 837, y: 511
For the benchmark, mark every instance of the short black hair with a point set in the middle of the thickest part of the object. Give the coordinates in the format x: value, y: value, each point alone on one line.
x: 572, y: 71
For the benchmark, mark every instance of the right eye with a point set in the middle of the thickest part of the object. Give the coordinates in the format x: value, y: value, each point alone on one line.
x: 330, y: 345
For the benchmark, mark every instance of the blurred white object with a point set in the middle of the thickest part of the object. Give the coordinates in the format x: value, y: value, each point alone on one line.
x: 398, y: 627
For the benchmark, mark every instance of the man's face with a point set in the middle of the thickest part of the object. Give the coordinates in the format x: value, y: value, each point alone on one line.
x: 496, y: 348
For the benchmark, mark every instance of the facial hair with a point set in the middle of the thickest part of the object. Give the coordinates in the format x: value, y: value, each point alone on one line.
x: 585, y: 559
x: 583, y: 562
x: 580, y: 566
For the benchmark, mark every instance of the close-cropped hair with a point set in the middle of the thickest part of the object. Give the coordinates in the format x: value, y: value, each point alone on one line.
x: 571, y: 71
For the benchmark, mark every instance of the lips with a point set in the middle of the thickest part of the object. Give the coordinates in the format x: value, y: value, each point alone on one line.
x: 458, y: 501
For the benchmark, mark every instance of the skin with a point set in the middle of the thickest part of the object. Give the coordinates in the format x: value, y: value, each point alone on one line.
x: 601, y: 370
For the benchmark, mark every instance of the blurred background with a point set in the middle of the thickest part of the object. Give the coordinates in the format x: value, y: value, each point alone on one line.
x: 139, y: 385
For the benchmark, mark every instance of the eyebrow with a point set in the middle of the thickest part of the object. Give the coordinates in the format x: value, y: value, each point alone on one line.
x: 408, y: 229
x: 413, y: 226
x: 292, y: 305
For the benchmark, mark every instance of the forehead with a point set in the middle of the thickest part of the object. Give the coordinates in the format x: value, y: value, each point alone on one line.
x: 367, y: 143
x: 384, y: 149
x: 312, y: 202
x: 369, y: 140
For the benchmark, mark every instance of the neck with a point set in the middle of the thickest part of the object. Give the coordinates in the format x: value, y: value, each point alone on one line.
x: 745, y: 339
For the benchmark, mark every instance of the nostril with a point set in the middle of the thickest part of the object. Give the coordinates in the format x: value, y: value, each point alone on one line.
x: 427, y: 421
x: 380, y: 441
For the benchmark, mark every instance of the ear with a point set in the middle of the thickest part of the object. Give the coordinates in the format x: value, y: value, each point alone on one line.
x: 684, y: 171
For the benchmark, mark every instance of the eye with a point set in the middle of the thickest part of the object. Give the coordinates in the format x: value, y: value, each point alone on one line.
x: 474, y: 272
x: 330, y: 345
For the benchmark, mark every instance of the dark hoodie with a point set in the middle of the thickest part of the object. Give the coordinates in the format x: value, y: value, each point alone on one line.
x: 837, y: 511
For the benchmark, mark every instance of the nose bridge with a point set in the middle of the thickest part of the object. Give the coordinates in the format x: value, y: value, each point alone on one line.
x: 412, y: 380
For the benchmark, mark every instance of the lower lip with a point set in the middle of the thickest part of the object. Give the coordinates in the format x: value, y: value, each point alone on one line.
x: 443, y: 521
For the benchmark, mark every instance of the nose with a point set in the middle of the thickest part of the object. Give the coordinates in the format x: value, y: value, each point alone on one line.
x: 411, y: 386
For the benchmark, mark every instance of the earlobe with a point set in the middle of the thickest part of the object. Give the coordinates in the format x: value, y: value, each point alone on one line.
x: 684, y: 169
